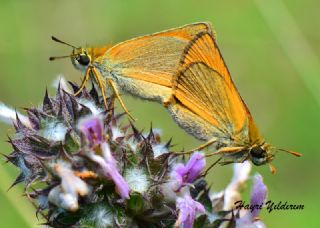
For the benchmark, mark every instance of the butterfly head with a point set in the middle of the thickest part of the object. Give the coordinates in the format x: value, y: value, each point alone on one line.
x: 264, y: 154
x: 261, y: 154
x: 80, y: 58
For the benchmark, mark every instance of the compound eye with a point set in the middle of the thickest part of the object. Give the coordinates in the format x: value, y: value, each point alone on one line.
x: 257, y: 152
x: 258, y: 156
x: 83, y: 59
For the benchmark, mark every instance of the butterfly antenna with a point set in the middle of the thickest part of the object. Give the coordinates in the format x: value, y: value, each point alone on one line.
x: 62, y: 42
x: 58, y: 57
x: 291, y: 152
x: 273, y: 169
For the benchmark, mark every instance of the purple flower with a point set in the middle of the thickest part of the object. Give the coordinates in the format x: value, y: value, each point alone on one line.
x: 258, y: 196
x: 92, y: 128
x: 185, y: 174
x: 109, y: 167
x: 188, y: 209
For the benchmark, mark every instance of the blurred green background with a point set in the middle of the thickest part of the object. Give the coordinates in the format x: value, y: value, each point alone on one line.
x: 272, y: 50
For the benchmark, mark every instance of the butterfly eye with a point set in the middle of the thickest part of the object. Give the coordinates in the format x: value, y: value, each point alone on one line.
x: 258, y: 155
x: 83, y: 59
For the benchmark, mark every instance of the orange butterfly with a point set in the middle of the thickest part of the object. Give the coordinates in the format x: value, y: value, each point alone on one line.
x: 201, y: 97
x: 142, y: 66
x: 206, y: 103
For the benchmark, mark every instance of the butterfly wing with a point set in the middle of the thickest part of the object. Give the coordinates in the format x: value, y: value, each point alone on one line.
x: 205, y: 87
x: 153, y: 58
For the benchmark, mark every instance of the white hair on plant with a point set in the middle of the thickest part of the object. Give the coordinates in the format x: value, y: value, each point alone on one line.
x: 156, y: 132
x: 62, y: 164
x: 9, y: 115
x: 60, y: 80
x: 137, y: 179
x: 116, y: 133
x: 132, y: 144
x: 91, y: 105
x: 53, y: 130
x: 101, y: 217
x: 159, y: 149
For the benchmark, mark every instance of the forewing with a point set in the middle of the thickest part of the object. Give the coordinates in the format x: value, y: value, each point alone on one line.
x: 203, y: 48
x: 154, y: 58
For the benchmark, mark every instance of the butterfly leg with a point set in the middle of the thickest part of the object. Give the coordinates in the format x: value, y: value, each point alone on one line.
x: 84, y: 81
x: 201, y: 147
x: 211, y: 166
x: 208, y: 143
x: 101, y: 85
x: 227, y: 150
x: 244, y: 158
x: 116, y: 93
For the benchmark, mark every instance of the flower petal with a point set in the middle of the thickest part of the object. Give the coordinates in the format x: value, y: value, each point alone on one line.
x: 109, y: 167
x: 188, y: 209
x: 195, y: 166
x: 92, y: 128
x: 258, y: 194
x: 186, y: 174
